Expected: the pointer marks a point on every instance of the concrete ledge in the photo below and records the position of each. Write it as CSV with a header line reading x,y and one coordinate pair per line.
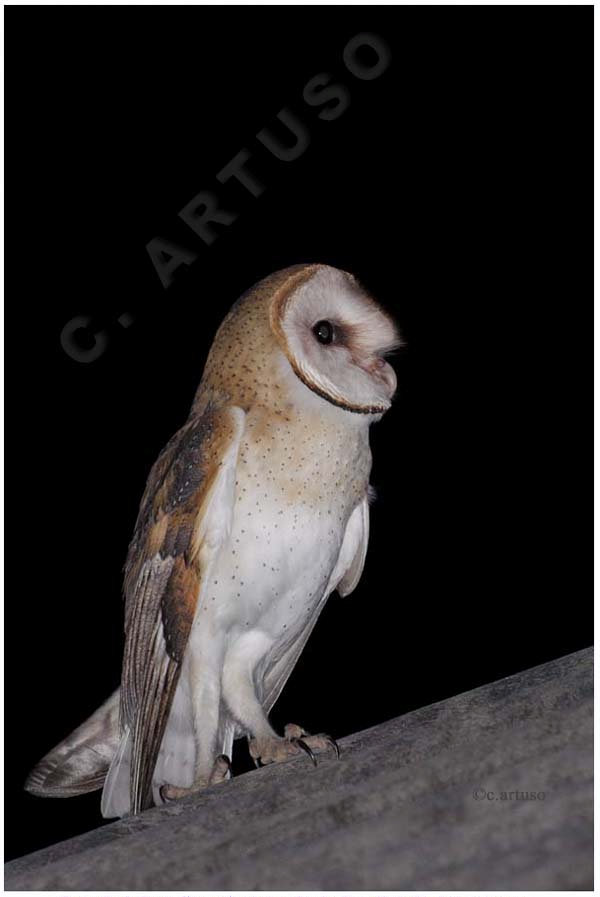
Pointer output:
x,y
408,807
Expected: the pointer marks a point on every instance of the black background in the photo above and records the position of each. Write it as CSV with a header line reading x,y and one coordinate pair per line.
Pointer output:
x,y
457,186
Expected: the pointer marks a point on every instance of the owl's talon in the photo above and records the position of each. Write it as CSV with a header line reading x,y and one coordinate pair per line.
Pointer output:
x,y
331,741
320,742
302,744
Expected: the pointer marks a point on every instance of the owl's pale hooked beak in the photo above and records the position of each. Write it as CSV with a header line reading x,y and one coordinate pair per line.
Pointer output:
x,y
380,370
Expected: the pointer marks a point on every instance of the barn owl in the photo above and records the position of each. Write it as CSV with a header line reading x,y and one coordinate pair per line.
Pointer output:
x,y
253,514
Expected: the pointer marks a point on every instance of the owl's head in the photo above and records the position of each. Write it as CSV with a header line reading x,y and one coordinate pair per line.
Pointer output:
x,y
311,328
335,337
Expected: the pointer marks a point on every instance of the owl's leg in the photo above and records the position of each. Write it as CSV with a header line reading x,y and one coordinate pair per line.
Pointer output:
x,y
202,667
240,696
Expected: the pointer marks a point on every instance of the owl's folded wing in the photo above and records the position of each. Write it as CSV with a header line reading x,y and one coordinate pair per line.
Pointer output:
x,y
185,516
354,550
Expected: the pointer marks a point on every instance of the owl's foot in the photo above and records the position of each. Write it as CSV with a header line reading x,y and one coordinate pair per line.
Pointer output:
x,y
296,740
321,742
220,773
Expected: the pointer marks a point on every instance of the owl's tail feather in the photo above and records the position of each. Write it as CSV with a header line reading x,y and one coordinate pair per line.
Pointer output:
x,y
80,763
115,796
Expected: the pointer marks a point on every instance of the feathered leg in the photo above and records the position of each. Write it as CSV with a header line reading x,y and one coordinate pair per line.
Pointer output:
x,y
239,693
203,685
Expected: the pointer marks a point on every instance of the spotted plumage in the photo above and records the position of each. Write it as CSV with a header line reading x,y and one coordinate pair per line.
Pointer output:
x,y
253,514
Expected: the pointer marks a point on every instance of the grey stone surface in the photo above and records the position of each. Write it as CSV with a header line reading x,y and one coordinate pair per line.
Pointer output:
x,y
398,811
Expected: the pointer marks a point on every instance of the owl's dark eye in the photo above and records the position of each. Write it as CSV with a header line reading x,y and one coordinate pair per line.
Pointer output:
x,y
323,330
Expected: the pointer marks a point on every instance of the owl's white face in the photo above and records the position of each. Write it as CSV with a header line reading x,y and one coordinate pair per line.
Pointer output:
x,y
335,337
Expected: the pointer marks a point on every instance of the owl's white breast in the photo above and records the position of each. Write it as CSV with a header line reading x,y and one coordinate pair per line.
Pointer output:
x,y
298,480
